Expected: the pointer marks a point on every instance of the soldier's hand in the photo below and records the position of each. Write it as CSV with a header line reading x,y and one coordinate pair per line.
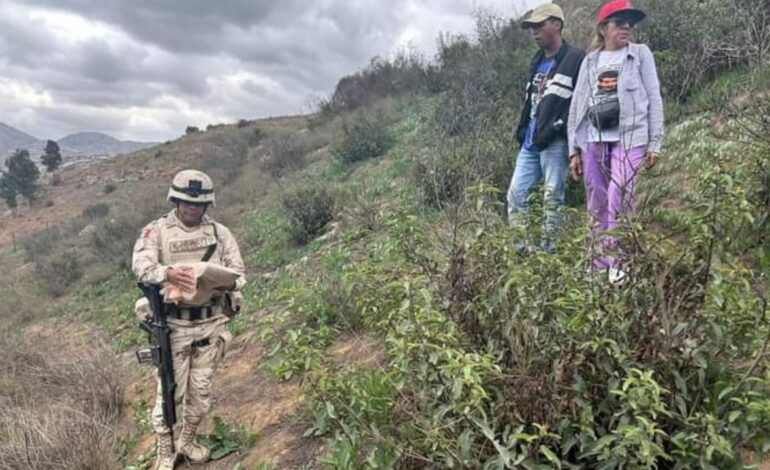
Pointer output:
x,y
182,277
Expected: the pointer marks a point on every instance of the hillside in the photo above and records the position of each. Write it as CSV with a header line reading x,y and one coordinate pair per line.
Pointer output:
x,y
389,322
96,143
11,139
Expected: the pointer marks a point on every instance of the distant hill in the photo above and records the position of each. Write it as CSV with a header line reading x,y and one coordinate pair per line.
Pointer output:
x,y
11,139
80,144
96,143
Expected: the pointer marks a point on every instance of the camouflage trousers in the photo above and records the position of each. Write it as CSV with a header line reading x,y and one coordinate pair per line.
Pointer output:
x,y
194,366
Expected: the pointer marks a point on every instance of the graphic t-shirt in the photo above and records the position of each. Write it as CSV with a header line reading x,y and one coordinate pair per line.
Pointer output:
x,y
536,90
606,89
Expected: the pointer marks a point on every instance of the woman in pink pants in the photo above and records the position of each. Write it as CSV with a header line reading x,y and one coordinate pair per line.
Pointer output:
x,y
615,125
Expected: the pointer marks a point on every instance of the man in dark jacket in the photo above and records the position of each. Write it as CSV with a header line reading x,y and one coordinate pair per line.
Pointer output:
x,y
542,130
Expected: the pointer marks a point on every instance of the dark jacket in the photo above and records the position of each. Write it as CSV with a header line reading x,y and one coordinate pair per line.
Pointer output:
x,y
553,111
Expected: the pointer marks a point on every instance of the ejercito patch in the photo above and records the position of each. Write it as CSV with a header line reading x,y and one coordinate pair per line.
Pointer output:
x,y
192,244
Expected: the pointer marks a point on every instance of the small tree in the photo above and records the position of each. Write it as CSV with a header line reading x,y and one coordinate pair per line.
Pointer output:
x,y
191,130
8,190
23,173
52,156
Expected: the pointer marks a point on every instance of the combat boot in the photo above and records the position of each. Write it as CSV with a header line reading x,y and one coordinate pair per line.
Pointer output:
x,y
186,445
166,457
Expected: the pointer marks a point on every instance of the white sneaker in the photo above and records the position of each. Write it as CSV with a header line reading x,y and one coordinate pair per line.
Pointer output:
x,y
616,276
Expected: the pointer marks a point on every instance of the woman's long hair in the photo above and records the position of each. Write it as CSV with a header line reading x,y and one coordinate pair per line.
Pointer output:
x,y
598,41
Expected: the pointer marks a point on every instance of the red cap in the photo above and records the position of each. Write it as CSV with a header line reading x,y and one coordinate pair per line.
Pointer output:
x,y
621,8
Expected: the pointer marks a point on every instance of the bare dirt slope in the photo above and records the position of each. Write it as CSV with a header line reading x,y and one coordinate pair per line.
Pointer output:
x,y
245,394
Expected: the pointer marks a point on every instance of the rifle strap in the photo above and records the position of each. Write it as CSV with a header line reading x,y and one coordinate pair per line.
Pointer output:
x,y
212,248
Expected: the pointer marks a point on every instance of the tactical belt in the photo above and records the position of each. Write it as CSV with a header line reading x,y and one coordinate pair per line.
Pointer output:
x,y
193,313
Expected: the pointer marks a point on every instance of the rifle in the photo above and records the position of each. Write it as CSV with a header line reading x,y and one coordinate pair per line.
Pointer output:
x,y
159,353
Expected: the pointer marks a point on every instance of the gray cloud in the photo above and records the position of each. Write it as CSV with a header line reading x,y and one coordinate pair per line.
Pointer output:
x,y
145,69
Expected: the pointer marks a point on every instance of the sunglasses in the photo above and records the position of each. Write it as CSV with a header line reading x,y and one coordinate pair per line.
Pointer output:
x,y
621,22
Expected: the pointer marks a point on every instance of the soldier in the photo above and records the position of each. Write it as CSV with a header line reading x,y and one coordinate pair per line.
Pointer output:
x,y
198,332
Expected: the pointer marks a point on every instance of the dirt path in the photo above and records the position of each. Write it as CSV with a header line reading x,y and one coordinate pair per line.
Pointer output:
x,y
246,395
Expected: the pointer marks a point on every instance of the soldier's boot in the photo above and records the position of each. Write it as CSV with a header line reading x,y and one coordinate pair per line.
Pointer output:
x,y
186,445
166,457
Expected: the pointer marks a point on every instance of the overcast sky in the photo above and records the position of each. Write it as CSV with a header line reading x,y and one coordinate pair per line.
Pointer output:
x,y
146,69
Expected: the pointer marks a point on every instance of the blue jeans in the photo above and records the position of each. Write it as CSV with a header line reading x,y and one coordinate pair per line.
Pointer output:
x,y
532,166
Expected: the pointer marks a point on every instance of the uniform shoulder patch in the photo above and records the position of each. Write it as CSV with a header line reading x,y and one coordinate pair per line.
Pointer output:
x,y
149,230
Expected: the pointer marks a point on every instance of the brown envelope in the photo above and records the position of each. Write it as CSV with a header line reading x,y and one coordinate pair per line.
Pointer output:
x,y
211,279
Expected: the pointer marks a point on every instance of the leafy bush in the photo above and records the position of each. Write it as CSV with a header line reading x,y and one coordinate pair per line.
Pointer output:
x,y
256,137
500,359
224,439
114,237
309,209
58,271
481,77
382,78
360,205
96,211
696,40
475,120
191,130
503,361
364,138
287,152
109,188
42,243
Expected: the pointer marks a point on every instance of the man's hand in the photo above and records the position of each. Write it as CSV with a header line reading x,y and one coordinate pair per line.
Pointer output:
x,y
181,277
576,166
651,159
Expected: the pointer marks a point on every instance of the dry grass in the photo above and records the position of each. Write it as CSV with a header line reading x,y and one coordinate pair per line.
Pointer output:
x,y
59,405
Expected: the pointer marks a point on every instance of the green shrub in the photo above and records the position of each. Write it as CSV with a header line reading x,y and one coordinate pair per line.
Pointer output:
x,y
696,40
382,78
364,138
509,361
109,188
309,209
224,440
43,242
96,211
114,237
355,394
256,137
287,152
58,271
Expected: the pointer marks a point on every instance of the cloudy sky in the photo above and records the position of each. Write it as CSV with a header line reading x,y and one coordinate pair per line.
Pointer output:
x,y
146,69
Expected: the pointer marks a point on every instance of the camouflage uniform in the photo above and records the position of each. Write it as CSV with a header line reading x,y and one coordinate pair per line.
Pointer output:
x,y
197,344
